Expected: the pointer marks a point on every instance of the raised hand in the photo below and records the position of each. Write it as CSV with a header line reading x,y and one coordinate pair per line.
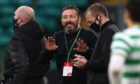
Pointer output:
x,y
50,44
81,46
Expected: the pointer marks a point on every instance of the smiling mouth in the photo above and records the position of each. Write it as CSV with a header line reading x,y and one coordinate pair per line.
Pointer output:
x,y
69,26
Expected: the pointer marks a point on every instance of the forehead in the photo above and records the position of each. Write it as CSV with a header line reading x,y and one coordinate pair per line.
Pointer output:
x,y
69,12
88,13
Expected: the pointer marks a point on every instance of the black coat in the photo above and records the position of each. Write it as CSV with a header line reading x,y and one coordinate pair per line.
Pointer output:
x,y
23,52
79,75
98,64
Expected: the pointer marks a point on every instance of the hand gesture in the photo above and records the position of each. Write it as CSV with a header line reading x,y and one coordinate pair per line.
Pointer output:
x,y
79,61
50,44
81,46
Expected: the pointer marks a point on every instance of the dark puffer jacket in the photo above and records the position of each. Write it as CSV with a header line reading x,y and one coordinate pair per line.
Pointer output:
x,y
23,52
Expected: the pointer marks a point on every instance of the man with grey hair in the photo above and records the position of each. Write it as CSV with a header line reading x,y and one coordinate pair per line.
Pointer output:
x,y
21,65
23,15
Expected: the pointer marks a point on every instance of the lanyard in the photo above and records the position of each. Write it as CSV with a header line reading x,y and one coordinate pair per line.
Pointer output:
x,y
69,51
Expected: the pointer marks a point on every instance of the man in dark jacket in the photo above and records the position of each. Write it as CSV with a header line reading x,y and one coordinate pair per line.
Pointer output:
x,y
97,17
64,44
21,65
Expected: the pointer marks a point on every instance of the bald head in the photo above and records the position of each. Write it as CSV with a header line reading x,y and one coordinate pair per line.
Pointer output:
x,y
23,15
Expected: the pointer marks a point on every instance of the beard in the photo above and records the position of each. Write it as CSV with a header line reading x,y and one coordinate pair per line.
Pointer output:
x,y
70,27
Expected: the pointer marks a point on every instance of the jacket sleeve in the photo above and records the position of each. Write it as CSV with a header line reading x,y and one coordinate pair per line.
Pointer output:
x,y
19,57
46,56
100,63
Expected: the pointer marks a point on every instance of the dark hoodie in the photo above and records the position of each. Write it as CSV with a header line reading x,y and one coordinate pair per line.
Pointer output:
x,y
23,53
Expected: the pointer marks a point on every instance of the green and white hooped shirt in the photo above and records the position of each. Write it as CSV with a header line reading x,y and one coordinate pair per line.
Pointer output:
x,y
127,44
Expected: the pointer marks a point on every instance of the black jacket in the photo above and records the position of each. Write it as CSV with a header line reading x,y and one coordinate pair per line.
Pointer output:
x,y
98,64
23,52
79,75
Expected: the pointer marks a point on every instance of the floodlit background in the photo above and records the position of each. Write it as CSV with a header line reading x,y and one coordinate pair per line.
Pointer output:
x,y
48,13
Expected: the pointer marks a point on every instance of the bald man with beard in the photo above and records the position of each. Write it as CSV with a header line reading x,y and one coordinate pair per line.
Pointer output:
x,y
21,66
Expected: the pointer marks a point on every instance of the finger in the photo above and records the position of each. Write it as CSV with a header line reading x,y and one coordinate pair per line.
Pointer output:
x,y
75,59
77,43
48,38
79,39
82,42
78,56
18,21
75,49
77,64
16,17
51,39
74,64
56,47
44,39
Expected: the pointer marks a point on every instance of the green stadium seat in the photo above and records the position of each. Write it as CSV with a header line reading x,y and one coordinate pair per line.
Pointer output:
x,y
4,40
18,3
25,2
80,3
4,3
48,24
74,2
41,3
44,3
1,31
51,24
50,11
41,20
6,22
7,11
10,31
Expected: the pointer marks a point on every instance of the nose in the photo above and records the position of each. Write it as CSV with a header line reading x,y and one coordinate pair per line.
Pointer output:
x,y
68,19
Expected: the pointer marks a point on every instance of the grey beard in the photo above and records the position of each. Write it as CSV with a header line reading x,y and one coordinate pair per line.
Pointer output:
x,y
70,32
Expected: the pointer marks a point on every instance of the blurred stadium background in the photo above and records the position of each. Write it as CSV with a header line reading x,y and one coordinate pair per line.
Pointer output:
x,y
48,13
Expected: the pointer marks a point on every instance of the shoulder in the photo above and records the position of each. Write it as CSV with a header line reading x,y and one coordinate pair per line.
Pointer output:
x,y
85,30
122,37
107,32
88,31
112,27
59,33
120,34
124,34
121,43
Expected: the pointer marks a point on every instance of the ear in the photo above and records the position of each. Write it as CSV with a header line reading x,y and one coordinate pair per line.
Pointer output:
x,y
15,17
127,18
99,17
126,14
